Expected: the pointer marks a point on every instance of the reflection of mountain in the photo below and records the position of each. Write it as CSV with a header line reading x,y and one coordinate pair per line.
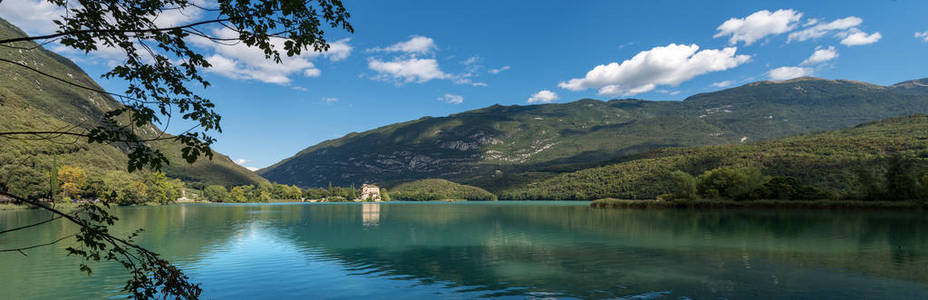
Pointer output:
x,y
511,250
526,249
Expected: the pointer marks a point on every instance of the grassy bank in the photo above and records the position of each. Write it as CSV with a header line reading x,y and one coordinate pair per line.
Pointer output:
x,y
821,204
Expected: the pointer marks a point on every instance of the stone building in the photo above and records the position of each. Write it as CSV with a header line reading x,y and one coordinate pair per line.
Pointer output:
x,y
370,192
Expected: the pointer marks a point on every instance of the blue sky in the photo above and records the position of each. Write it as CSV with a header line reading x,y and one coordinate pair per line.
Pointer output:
x,y
409,59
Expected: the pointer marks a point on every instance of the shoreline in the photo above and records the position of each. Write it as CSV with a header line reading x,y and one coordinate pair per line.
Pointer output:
x,y
757,204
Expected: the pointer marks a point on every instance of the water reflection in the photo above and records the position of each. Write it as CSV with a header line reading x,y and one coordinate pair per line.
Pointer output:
x,y
370,214
480,250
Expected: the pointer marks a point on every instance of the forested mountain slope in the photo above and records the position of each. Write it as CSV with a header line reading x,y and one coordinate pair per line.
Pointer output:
x,y
30,101
499,147
831,161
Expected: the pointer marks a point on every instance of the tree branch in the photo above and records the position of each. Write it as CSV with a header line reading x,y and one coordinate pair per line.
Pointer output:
x,y
20,250
30,225
6,133
147,30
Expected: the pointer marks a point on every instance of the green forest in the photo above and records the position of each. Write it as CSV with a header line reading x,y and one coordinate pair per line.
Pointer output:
x,y
439,189
883,160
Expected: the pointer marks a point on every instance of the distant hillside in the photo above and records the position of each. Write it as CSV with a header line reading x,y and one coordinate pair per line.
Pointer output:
x,y
438,189
827,160
913,87
500,147
33,102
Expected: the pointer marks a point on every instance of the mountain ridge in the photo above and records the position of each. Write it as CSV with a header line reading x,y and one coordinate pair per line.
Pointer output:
x,y
489,143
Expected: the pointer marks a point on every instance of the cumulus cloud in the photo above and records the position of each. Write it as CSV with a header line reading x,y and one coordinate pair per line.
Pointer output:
x,y
821,55
416,44
543,96
858,38
816,29
407,70
35,18
328,100
758,25
668,65
238,61
451,98
498,70
177,17
32,16
409,66
784,73
922,36
724,83
234,61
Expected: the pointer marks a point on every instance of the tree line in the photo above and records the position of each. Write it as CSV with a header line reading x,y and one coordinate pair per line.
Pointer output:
x,y
264,192
904,178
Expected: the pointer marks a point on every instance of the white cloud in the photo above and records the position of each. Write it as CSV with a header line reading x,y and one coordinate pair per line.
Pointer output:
x,y
35,18
721,84
300,88
858,38
784,73
922,35
472,60
328,100
32,16
416,45
459,79
668,65
498,70
543,96
408,66
821,55
758,25
242,162
452,99
234,61
339,50
407,70
239,61
177,17
816,29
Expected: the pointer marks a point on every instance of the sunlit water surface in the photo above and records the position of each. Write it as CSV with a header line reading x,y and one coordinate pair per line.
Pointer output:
x,y
503,249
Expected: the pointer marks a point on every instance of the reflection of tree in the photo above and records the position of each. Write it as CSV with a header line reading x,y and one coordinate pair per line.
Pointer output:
x,y
571,251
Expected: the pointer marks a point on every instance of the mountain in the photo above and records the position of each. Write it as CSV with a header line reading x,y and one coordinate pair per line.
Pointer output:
x,y
830,161
30,101
499,147
912,87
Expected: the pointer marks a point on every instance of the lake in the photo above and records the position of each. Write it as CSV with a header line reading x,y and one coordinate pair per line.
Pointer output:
x,y
494,249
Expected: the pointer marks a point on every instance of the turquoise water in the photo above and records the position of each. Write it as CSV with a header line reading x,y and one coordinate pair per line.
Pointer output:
x,y
504,249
